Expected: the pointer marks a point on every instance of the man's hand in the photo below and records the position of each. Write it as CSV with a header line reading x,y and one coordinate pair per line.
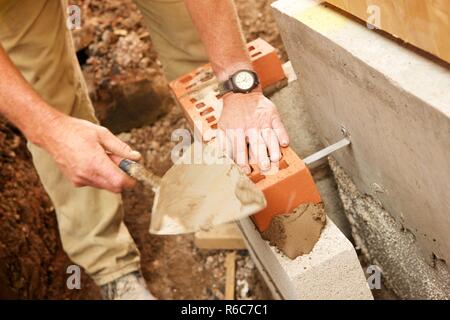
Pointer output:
x,y
252,116
84,152
254,120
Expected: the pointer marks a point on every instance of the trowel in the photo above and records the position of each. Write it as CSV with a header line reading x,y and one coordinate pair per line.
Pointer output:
x,y
202,189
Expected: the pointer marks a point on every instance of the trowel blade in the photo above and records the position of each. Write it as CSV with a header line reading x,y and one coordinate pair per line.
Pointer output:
x,y
206,191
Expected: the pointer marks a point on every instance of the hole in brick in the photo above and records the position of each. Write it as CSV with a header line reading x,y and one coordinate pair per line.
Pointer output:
x,y
193,100
200,105
251,48
207,111
186,79
207,77
257,177
283,165
191,86
211,119
256,54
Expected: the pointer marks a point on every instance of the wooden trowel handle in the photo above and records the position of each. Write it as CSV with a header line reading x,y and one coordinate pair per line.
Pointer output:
x,y
138,172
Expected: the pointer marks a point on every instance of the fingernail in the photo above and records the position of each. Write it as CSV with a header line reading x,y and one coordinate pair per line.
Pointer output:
x,y
265,166
135,154
246,170
275,158
284,143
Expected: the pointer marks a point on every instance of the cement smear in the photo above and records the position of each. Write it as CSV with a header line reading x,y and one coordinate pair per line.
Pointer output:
x,y
296,233
386,243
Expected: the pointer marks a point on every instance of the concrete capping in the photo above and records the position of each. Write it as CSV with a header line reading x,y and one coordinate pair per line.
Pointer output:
x,y
330,271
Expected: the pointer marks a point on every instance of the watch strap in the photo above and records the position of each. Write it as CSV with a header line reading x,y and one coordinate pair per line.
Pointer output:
x,y
229,86
225,87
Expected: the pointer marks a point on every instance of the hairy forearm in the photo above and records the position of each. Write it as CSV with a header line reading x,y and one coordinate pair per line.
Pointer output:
x,y
20,104
246,119
218,25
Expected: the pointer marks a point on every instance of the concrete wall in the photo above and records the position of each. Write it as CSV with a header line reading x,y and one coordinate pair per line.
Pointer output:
x,y
395,105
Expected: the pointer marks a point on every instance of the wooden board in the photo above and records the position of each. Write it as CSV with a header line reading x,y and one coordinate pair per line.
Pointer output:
x,y
422,23
230,266
223,237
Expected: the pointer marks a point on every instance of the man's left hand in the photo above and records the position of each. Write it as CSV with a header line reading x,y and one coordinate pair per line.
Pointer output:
x,y
253,129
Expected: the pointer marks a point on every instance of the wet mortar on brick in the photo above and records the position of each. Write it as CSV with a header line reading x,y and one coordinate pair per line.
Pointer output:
x,y
296,233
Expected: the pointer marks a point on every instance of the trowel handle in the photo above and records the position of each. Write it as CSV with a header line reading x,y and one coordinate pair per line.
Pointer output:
x,y
126,166
138,172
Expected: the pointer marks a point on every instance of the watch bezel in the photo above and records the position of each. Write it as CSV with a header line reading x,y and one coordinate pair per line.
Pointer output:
x,y
236,89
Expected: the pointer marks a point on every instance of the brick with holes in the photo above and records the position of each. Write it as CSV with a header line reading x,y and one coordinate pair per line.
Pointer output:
x,y
266,64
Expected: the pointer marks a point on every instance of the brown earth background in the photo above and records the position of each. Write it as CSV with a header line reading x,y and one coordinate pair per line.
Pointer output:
x,y
120,67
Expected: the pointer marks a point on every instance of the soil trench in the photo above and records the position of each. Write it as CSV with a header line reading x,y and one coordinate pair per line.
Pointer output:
x,y
117,58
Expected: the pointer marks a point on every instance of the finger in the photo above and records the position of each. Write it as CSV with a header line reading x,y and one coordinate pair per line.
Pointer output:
x,y
98,181
224,143
116,146
258,148
280,131
270,139
107,175
117,160
239,147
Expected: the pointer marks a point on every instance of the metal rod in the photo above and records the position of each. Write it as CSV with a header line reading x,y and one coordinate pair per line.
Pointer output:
x,y
327,151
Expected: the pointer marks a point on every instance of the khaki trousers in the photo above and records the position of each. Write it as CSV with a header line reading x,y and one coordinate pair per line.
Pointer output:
x,y
34,34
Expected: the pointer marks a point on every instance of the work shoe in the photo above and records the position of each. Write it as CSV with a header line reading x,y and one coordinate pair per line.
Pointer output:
x,y
128,287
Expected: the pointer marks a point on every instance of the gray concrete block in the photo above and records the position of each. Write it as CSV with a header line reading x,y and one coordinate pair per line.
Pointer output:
x,y
330,271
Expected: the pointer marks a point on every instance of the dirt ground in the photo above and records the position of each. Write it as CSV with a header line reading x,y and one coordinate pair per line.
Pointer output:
x,y
32,262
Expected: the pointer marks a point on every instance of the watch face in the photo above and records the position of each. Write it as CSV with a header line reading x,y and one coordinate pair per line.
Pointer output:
x,y
244,80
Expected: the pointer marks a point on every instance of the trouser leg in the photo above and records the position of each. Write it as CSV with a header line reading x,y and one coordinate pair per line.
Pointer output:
x,y
93,234
174,36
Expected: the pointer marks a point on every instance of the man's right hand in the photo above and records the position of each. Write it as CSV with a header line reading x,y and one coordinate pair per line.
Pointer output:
x,y
83,151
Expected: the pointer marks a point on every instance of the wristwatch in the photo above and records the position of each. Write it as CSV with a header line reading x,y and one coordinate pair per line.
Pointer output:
x,y
243,81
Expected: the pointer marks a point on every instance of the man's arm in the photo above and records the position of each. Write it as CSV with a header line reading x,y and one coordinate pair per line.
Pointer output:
x,y
251,117
81,149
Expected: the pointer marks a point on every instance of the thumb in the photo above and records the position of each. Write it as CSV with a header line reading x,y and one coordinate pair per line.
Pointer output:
x,y
115,159
117,147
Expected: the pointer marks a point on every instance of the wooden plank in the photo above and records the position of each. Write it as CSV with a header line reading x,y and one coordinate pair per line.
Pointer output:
x,y
422,23
223,237
230,265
